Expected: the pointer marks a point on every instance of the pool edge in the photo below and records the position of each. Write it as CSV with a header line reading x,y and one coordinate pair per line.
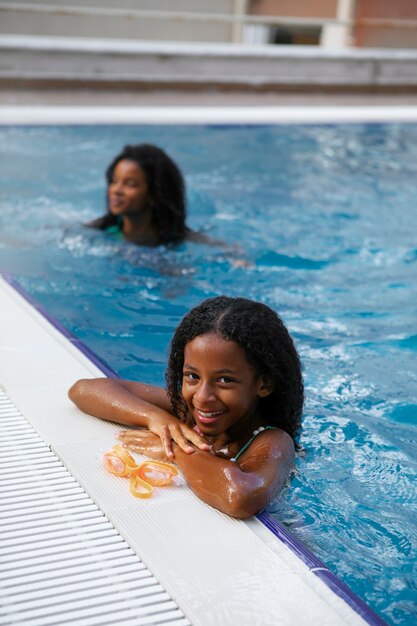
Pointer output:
x,y
203,115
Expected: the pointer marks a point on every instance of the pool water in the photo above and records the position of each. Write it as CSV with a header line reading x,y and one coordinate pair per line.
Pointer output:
x,y
326,220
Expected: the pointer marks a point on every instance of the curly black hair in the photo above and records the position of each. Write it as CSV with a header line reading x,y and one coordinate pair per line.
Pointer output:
x,y
268,347
166,192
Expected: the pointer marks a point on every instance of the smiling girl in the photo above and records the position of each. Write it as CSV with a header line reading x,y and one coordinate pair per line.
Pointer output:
x,y
231,410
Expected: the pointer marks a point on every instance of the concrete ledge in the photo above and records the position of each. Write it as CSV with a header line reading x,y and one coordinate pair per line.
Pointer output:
x,y
101,61
205,115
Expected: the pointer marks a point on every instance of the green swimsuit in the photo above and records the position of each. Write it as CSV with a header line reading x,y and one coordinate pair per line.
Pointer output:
x,y
116,229
247,444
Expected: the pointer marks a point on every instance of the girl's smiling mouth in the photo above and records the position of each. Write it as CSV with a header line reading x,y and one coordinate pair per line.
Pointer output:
x,y
115,200
206,417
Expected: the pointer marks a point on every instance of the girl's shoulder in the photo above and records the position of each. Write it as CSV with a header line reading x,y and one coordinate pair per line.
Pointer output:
x,y
199,237
273,437
281,437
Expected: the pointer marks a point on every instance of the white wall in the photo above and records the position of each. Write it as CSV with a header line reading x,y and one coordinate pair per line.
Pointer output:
x,y
145,29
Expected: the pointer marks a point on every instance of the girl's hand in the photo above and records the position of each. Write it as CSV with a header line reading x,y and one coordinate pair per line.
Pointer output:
x,y
136,404
172,430
143,442
179,433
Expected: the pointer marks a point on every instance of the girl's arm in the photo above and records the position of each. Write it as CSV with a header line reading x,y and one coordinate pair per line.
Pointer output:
x,y
240,489
135,404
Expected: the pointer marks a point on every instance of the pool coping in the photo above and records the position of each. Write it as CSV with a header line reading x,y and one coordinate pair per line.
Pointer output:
x,y
314,564
202,115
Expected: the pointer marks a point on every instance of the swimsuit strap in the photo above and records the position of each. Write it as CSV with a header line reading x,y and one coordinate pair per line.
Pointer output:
x,y
116,228
247,444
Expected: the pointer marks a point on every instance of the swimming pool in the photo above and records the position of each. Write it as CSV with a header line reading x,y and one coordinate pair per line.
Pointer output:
x,y
325,216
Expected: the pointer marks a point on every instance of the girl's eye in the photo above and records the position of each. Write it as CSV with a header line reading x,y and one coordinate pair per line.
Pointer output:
x,y
190,375
130,182
226,379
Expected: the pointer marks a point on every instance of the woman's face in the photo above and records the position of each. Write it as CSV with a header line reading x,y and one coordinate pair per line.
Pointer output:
x,y
127,192
219,386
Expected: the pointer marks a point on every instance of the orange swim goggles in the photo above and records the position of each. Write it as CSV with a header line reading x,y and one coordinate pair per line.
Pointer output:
x,y
143,477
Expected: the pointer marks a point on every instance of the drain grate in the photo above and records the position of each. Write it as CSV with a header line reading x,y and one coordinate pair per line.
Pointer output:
x,y
61,561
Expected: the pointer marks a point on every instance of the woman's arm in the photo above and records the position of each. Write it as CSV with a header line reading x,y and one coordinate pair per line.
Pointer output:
x,y
135,404
240,489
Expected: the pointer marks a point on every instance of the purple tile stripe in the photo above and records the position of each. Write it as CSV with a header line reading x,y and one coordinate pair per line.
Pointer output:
x,y
106,369
313,563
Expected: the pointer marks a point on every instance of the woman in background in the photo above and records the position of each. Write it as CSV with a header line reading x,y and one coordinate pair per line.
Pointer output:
x,y
146,198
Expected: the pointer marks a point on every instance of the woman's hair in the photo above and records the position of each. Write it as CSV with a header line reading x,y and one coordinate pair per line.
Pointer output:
x,y
166,191
268,347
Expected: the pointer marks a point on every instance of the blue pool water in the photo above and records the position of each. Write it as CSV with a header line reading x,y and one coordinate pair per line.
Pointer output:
x,y
326,217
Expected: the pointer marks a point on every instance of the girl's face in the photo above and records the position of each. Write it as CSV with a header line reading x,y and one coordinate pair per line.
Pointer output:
x,y
220,387
128,189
